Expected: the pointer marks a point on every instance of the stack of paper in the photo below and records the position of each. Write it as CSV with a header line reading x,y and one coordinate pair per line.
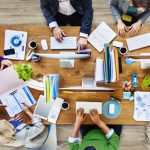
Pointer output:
x,y
51,86
107,69
101,35
111,64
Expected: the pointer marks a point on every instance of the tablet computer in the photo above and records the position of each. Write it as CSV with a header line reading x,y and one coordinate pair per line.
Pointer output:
x,y
42,108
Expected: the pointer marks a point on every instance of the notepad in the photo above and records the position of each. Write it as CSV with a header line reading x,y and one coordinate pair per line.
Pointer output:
x,y
67,43
99,70
87,106
101,35
138,42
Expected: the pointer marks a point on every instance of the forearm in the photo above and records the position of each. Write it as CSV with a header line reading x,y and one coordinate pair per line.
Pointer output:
x,y
144,17
76,130
115,10
29,113
87,17
103,127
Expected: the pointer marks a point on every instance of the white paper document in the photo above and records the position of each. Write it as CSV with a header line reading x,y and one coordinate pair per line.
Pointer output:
x,y
9,80
101,35
87,106
14,100
67,43
99,70
15,40
142,106
138,42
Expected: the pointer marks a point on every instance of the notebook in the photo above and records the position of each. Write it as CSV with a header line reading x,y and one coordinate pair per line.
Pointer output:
x,y
101,35
51,86
67,43
87,106
138,42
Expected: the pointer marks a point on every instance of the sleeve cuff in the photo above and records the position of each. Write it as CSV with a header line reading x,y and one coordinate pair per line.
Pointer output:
x,y
109,134
53,24
73,140
83,35
36,120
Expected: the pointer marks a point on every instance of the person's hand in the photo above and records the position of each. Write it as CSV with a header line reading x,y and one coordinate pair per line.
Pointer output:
x,y
135,28
5,62
95,116
58,33
82,43
16,118
80,117
25,108
122,28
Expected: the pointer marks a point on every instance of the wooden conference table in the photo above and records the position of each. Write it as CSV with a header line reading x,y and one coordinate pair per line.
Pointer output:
x,y
73,77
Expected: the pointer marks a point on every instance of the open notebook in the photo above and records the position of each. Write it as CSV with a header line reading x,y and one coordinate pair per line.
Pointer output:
x,y
101,35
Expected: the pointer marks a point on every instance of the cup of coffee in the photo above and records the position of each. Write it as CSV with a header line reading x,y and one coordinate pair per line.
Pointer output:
x,y
123,50
65,106
32,45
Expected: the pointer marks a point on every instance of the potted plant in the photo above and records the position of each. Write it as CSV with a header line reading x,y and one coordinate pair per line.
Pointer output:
x,y
146,82
24,71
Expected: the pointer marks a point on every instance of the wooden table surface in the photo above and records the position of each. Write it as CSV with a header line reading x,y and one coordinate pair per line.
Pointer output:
x,y
73,77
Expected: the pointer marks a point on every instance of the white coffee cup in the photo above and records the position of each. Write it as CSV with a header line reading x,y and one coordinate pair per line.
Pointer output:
x,y
32,44
65,106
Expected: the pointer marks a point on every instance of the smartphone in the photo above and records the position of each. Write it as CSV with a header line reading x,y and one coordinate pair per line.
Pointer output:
x,y
9,52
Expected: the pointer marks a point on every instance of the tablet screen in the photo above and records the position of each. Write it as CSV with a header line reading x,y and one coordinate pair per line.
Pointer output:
x,y
42,108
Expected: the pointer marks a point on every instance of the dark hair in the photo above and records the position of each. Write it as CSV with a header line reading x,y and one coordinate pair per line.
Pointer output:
x,y
142,3
90,148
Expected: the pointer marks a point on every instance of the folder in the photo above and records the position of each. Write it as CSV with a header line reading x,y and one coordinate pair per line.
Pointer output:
x,y
116,63
51,86
107,63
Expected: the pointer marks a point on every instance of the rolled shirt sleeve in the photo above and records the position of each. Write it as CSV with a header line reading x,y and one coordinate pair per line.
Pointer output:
x,y
53,24
109,134
74,140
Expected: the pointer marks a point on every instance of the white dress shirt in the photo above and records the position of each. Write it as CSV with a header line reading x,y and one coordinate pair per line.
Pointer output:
x,y
65,8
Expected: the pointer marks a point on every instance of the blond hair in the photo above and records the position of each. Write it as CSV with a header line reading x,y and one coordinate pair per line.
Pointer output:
x,y
6,132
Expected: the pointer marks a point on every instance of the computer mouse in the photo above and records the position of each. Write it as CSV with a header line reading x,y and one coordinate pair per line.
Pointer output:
x,y
111,109
44,44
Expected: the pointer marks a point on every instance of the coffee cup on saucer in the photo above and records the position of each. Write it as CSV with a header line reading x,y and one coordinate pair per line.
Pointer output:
x,y
65,106
123,50
32,44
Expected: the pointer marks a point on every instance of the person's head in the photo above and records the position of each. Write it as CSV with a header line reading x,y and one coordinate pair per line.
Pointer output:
x,y
90,148
6,132
141,5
